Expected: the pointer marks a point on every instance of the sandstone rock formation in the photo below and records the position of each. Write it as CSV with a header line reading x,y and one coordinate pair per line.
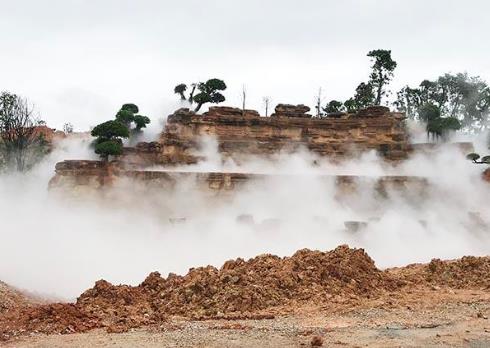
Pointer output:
x,y
288,110
245,133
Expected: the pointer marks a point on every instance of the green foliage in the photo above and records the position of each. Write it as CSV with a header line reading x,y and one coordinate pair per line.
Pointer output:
x,y
350,105
442,126
109,148
110,130
130,107
381,72
180,89
140,122
125,117
209,92
429,112
110,133
364,96
457,95
473,156
333,106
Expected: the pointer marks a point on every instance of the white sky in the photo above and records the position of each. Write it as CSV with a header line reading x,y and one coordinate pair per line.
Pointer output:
x,y
78,61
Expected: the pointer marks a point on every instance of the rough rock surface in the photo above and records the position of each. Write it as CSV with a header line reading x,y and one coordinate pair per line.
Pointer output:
x,y
288,130
11,298
288,110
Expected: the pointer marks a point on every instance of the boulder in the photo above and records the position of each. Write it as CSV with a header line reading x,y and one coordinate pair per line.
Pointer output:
x,y
288,110
373,111
226,111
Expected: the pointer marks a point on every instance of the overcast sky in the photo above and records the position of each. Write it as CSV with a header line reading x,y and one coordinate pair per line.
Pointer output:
x,y
78,61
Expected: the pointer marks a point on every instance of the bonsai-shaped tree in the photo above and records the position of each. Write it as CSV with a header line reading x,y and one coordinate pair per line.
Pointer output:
x,y
109,138
127,116
180,90
475,158
209,92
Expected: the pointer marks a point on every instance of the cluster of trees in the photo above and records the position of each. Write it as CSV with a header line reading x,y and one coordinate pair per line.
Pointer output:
x,y
21,144
207,92
110,134
370,92
459,98
448,103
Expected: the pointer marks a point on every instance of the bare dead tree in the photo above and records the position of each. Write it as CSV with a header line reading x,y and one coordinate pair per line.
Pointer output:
x,y
191,95
318,105
20,143
267,102
244,97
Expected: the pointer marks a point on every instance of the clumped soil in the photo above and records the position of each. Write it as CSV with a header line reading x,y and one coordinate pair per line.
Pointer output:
x,y
262,287
11,298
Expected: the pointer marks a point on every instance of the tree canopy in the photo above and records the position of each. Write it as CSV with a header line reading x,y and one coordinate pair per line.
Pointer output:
x,y
110,133
459,96
208,92
381,72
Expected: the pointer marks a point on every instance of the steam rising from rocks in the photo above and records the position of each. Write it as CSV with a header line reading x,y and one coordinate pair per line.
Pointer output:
x,y
58,246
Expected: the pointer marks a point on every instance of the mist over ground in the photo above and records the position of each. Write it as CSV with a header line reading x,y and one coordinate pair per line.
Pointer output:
x,y
59,246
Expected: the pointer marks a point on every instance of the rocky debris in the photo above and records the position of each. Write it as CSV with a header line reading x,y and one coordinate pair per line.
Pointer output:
x,y
59,318
469,271
373,111
11,298
227,111
288,110
261,287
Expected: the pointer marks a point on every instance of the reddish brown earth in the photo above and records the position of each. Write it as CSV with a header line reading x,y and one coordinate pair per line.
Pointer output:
x,y
264,287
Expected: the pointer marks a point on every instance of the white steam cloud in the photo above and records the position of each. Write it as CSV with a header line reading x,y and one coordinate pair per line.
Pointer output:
x,y
59,247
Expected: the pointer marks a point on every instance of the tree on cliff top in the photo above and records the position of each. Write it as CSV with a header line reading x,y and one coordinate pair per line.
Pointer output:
x,y
462,96
109,138
209,93
180,90
127,116
381,72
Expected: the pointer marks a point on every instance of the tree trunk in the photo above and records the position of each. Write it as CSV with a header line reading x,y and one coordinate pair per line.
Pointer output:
x,y
191,95
198,107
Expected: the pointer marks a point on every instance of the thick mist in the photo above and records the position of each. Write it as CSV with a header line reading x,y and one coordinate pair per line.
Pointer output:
x,y
60,246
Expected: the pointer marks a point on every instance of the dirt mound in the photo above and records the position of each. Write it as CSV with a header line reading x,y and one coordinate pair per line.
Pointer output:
x,y
11,298
266,281
262,286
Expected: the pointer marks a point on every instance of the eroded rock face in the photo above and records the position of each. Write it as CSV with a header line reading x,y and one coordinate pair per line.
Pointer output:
x,y
245,133
82,175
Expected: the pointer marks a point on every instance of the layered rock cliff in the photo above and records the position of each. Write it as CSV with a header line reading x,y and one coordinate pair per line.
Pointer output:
x,y
244,132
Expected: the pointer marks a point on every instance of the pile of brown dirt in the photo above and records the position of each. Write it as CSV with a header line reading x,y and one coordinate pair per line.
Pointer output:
x,y
467,272
262,286
11,298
